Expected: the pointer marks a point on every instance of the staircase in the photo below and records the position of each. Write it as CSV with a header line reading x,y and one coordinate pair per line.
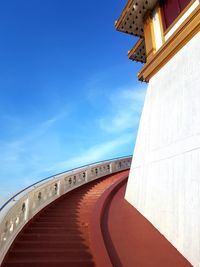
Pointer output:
x,y
60,234
92,225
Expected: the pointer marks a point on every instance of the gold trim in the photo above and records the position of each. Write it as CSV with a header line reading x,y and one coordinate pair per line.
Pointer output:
x,y
149,37
179,16
188,29
161,24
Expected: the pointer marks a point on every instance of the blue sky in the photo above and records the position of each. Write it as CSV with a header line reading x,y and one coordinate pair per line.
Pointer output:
x,y
68,94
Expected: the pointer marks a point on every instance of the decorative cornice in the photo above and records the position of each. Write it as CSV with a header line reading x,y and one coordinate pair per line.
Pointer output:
x,y
131,18
181,36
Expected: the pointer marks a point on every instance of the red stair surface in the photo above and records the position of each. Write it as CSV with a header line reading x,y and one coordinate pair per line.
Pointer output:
x,y
59,234
92,226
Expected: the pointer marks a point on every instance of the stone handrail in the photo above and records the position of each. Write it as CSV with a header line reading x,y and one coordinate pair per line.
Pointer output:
x,y
19,209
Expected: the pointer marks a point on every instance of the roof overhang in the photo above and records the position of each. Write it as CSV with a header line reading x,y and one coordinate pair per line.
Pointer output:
x,y
131,19
138,52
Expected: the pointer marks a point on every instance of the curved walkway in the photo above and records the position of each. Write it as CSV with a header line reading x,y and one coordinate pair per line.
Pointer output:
x,y
92,226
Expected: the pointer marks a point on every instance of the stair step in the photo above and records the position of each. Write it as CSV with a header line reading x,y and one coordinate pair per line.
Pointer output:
x,y
73,239
49,244
52,263
64,210
49,230
44,229
56,219
55,228
53,224
50,254
60,211
58,215
51,237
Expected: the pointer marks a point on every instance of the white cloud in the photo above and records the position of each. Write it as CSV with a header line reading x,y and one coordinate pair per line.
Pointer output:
x,y
125,109
42,150
36,131
120,118
21,156
94,153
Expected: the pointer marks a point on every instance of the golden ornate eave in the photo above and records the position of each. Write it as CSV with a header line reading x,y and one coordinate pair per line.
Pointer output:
x,y
131,18
138,52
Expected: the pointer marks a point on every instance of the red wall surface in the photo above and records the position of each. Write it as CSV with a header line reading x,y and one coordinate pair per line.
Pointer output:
x,y
171,9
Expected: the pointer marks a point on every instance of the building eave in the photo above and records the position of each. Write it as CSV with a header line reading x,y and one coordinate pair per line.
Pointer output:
x,y
138,52
131,18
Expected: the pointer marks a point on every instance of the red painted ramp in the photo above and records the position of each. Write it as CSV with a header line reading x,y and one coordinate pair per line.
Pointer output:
x,y
64,234
132,241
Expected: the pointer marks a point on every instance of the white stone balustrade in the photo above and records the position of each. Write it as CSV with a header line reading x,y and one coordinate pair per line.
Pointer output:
x,y
16,212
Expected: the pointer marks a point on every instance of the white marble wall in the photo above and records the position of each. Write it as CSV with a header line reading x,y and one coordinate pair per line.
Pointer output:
x,y
164,183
